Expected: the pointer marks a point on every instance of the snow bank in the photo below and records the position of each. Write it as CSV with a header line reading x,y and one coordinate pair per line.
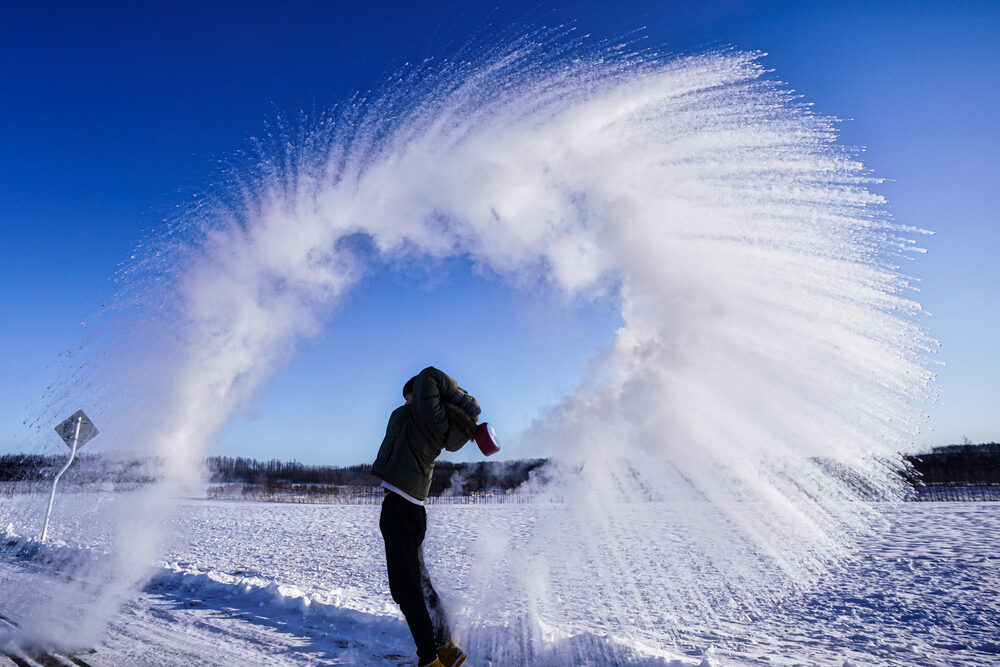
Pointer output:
x,y
189,581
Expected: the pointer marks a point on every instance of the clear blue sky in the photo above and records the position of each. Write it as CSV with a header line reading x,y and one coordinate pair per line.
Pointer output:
x,y
114,115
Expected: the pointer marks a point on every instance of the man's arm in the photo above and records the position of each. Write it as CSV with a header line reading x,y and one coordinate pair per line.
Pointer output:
x,y
430,390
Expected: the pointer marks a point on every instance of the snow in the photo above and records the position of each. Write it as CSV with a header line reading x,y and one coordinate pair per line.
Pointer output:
x,y
305,584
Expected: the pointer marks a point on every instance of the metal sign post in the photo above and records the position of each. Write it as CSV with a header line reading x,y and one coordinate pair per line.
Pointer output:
x,y
78,430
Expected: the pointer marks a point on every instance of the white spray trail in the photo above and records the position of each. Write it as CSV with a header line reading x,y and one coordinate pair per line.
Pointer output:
x,y
768,344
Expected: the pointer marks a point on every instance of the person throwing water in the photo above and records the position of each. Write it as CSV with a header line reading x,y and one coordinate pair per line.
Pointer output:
x,y
437,415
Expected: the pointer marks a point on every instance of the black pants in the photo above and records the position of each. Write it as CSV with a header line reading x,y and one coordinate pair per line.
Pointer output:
x,y
403,525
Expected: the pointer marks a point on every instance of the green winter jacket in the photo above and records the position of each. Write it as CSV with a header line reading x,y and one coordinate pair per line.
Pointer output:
x,y
418,432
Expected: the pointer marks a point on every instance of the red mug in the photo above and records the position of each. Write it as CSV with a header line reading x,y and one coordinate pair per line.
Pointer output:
x,y
486,438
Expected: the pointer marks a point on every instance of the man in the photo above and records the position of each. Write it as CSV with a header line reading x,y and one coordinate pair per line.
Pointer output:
x,y
437,415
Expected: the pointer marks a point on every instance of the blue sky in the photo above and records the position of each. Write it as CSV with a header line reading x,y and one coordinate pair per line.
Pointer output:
x,y
113,116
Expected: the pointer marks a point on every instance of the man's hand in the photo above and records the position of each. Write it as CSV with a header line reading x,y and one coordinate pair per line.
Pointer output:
x,y
467,403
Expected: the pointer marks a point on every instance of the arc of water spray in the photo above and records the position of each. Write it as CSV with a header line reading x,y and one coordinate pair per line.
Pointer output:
x,y
769,351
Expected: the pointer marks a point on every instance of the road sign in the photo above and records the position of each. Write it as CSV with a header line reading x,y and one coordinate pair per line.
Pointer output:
x,y
67,430
75,432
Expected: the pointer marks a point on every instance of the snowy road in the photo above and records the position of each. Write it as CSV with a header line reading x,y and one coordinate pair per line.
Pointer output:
x,y
302,584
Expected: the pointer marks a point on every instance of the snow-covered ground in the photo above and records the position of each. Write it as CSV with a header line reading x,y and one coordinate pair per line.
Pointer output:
x,y
261,583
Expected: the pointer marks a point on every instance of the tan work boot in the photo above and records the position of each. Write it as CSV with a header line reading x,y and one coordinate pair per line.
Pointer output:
x,y
436,663
450,655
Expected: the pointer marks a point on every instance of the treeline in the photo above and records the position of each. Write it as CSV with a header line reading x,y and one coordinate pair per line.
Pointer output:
x,y
86,469
457,477
24,467
957,464
952,465
472,477
223,469
101,469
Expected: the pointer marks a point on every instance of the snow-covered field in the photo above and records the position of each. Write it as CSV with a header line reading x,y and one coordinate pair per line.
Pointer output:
x,y
259,583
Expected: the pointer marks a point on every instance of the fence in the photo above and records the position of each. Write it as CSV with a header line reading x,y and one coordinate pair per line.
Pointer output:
x,y
354,495
372,495
956,491
20,488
